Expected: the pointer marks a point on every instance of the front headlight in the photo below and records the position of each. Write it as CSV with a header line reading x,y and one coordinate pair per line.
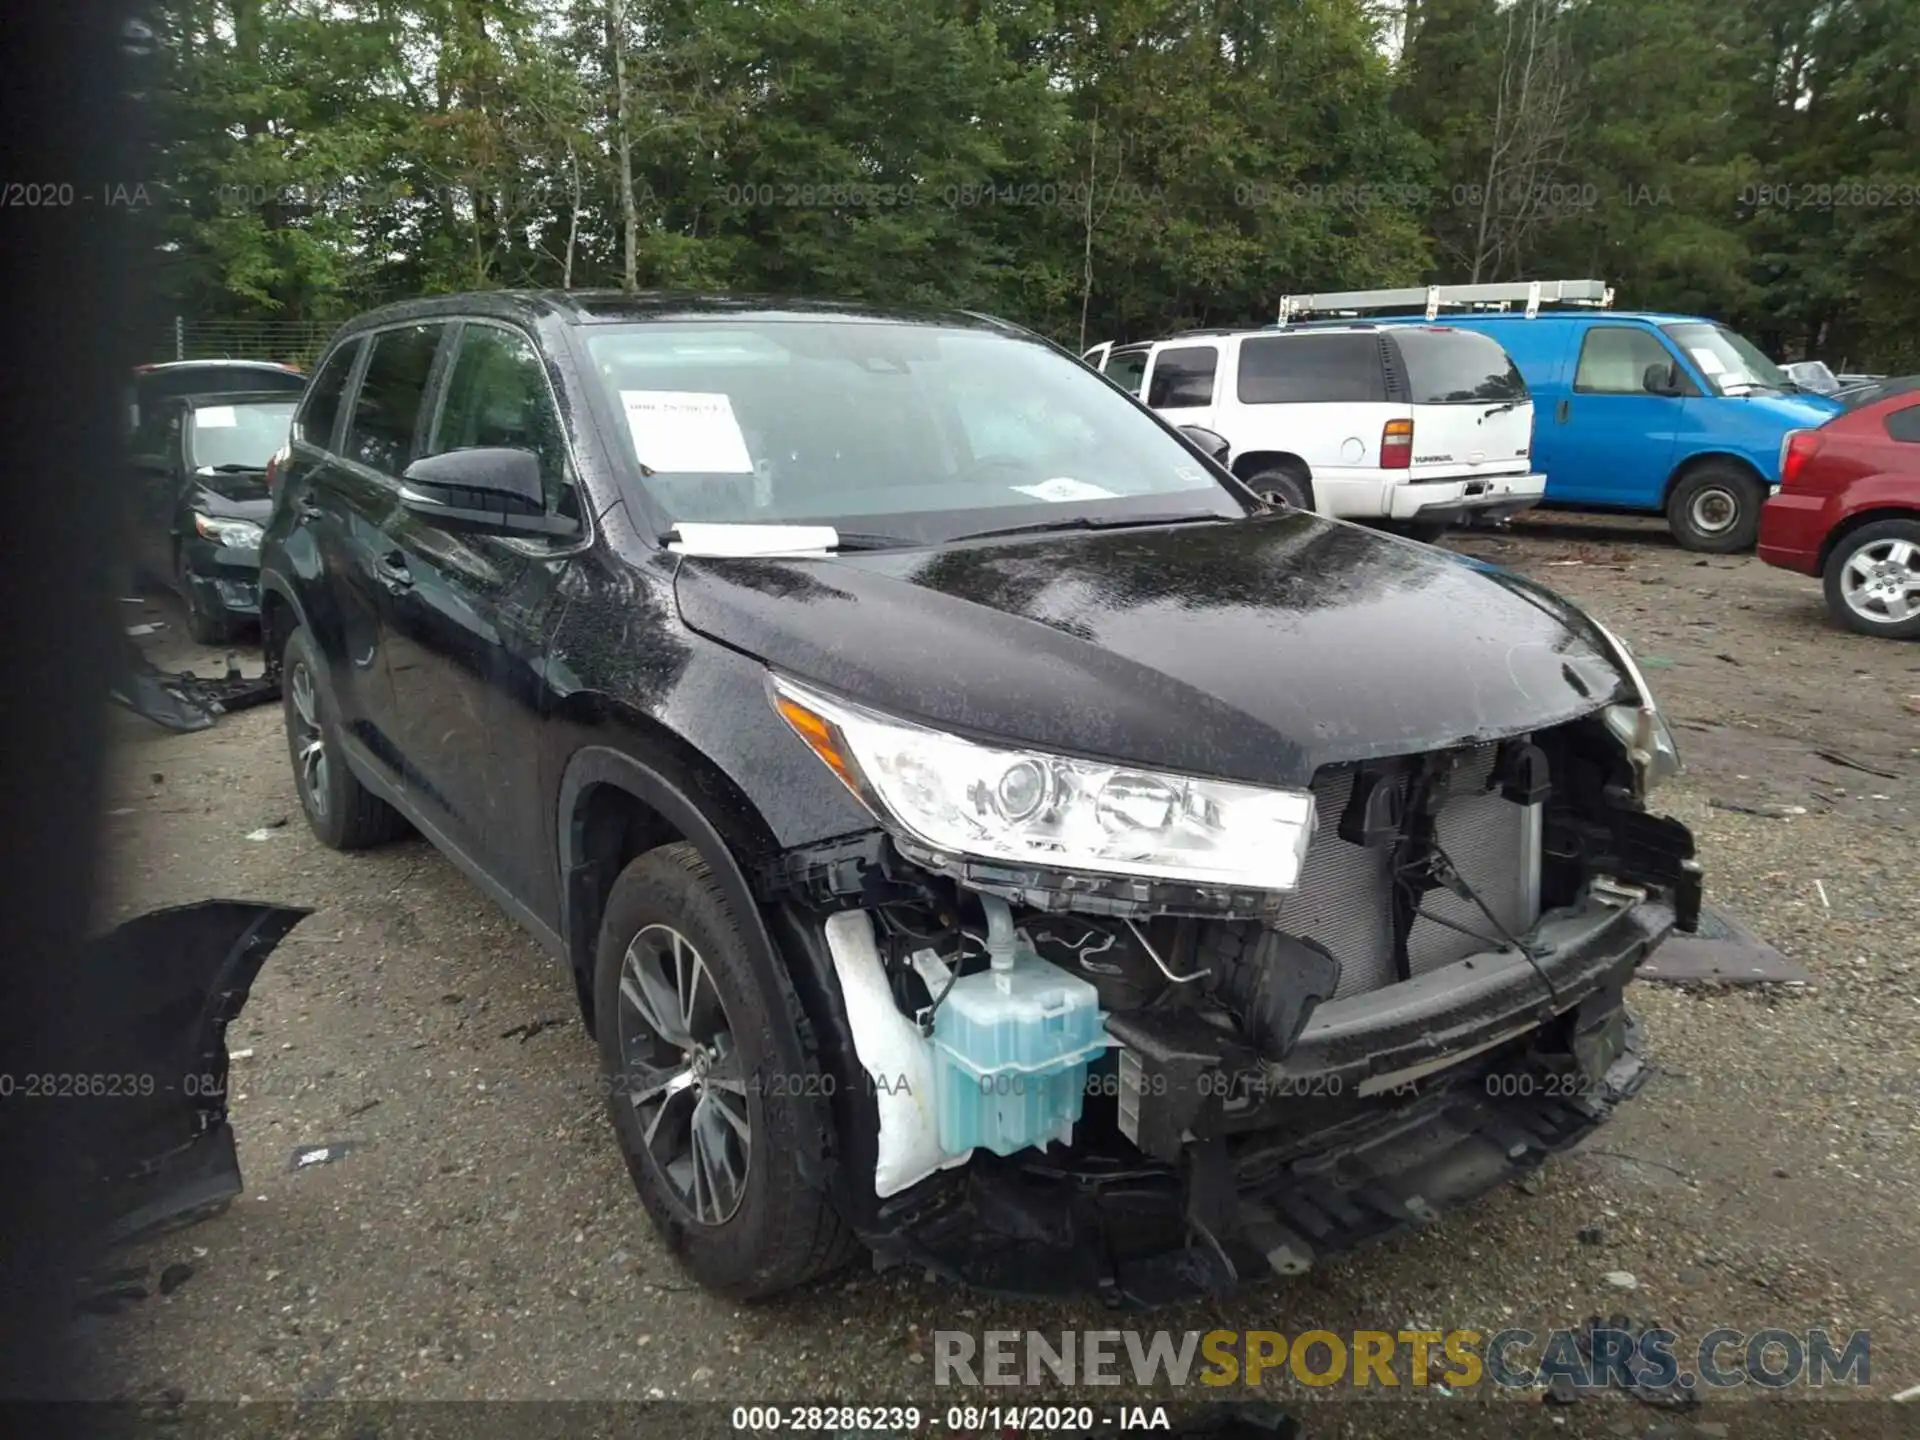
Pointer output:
x,y
1029,807
234,534
1641,728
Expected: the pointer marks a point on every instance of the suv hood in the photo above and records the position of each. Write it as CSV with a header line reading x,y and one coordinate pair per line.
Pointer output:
x,y
1255,650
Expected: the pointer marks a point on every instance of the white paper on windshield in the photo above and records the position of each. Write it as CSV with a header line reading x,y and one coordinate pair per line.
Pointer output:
x,y
682,431
1708,361
723,539
1062,488
215,417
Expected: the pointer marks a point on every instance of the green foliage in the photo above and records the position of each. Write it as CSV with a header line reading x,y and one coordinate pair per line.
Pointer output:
x,y
1112,169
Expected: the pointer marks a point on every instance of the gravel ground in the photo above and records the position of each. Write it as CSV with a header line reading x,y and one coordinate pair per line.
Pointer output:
x,y
480,1239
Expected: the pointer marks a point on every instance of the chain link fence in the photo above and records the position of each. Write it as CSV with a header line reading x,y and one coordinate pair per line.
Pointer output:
x,y
292,342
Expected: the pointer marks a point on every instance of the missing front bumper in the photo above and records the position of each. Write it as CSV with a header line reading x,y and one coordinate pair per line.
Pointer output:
x,y
1385,1114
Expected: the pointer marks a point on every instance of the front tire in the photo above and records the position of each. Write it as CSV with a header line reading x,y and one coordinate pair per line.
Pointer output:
x,y
342,813
690,1041
1715,509
1872,580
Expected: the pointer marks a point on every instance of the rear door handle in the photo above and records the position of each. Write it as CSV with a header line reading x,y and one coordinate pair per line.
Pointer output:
x,y
1562,410
392,570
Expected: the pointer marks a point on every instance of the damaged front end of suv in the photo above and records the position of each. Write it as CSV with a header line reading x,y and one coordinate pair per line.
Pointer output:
x,y
1103,1027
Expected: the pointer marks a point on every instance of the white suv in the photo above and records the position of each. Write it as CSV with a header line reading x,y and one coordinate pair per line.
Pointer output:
x,y
1420,424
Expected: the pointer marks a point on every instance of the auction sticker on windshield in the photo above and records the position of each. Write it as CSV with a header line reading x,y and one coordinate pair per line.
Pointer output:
x,y
1062,488
685,431
1708,361
216,417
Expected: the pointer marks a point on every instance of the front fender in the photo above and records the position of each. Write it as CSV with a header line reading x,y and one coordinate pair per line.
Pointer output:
x,y
666,795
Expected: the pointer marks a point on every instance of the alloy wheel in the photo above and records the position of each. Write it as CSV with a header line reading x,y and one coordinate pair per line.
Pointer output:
x,y
310,741
682,1073
1881,581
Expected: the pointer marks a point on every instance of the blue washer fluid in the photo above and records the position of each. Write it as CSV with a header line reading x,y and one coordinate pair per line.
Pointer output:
x,y
1011,1048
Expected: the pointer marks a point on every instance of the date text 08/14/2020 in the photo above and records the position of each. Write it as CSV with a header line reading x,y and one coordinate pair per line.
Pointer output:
x,y
955,1419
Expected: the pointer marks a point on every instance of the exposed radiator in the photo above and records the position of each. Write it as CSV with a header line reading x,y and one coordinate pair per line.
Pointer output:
x,y
1345,897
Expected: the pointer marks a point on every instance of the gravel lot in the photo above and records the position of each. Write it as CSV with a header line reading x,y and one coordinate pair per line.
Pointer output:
x,y
481,1239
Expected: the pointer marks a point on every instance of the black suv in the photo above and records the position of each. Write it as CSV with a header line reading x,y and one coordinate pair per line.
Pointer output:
x,y
976,826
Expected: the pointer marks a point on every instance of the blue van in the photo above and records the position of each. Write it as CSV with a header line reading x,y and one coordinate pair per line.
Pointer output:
x,y
1663,414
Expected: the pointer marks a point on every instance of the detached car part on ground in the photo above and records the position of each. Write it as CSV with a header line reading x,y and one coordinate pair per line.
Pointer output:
x,y
1090,883
163,987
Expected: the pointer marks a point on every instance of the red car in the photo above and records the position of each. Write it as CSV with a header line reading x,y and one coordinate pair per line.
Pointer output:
x,y
1848,509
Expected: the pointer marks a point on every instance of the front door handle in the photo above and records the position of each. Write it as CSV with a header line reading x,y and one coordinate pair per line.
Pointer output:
x,y
392,570
1562,410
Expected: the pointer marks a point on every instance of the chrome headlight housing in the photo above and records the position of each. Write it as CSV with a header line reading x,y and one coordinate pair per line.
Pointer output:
x,y
234,534
1641,728
955,796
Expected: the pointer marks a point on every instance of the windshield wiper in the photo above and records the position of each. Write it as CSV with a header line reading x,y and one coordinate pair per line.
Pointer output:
x,y
1088,522
1501,409
236,469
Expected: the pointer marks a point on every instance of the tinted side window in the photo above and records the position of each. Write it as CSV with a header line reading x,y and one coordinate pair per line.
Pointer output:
x,y
1904,424
322,405
1614,360
497,395
1183,377
1457,367
1126,368
1311,369
386,415
159,433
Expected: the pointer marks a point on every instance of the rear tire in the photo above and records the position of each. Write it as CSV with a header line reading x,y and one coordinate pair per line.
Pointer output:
x,y
690,1041
1715,508
342,813
1285,483
1872,580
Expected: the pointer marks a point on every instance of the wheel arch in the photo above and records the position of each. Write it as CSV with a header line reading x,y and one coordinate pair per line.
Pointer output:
x,y
1255,461
280,616
1859,520
1700,461
614,804
618,799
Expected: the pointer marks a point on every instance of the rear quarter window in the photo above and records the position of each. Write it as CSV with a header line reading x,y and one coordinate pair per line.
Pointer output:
x,y
1183,378
1126,368
1311,369
1457,367
1904,424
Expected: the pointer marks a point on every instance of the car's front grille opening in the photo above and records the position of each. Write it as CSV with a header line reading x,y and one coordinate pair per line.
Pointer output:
x,y
1345,896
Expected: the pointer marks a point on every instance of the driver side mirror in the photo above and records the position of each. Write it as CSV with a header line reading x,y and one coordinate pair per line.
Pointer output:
x,y
1216,445
488,490
1661,379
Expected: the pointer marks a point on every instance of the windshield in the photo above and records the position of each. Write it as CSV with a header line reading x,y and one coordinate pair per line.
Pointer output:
x,y
1732,364
922,431
229,435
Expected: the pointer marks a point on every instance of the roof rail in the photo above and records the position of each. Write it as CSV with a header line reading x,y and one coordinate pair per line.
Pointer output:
x,y
1588,294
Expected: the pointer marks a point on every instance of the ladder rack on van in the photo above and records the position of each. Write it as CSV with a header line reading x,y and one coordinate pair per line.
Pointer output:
x,y
1583,294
